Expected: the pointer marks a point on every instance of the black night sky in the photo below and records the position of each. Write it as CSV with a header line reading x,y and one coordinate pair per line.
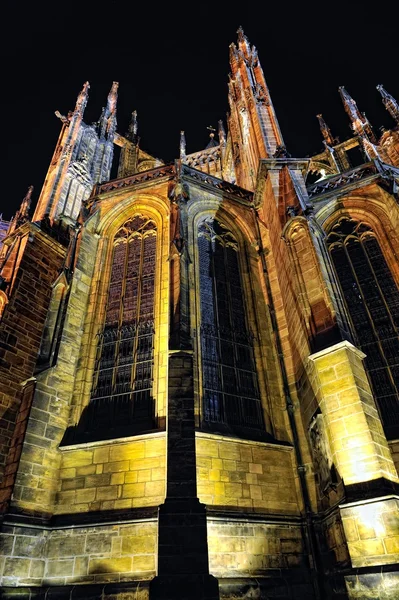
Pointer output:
x,y
172,66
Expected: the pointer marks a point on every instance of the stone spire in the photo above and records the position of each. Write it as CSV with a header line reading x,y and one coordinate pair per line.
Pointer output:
x,y
107,122
359,121
221,133
22,214
133,128
390,103
182,146
326,131
82,99
243,42
253,124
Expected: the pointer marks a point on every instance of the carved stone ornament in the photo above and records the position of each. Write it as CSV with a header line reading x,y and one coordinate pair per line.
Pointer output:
x,y
261,95
323,463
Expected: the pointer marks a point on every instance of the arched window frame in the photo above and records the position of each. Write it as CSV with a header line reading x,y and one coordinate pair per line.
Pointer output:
x,y
360,234
51,336
132,409
230,240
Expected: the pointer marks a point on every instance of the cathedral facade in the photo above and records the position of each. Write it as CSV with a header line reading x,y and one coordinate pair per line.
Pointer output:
x,y
199,364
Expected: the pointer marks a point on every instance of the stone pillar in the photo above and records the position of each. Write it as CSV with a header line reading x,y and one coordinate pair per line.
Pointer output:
x,y
361,455
183,564
183,571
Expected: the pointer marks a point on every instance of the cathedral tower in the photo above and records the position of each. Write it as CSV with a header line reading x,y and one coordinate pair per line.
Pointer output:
x,y
199,378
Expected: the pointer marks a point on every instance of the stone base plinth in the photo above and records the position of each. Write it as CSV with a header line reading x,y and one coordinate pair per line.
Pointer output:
x,y
184,587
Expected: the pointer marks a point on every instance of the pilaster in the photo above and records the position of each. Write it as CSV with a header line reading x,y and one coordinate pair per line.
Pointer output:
x,y
360,453
183,563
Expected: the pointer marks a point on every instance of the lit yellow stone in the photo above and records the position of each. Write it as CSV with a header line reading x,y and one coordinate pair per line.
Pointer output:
x,y
110,565
350,529
101,455
139,544
131,477
214,475
78,458
158,474
204,462
392,544
133,490
86,470
229,465
207,447
366,548
256,492
114,467
144,463
117,478
144,475
67,473
230,451
86,495
217,463
144,562
154,488
127,451
233,490
155,447
255,468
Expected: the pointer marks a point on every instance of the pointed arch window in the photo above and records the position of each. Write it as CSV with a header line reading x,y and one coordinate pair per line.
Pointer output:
x,y
122,387
372,298
231,398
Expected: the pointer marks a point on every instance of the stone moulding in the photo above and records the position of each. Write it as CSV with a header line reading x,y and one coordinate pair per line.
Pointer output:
x,y
171,171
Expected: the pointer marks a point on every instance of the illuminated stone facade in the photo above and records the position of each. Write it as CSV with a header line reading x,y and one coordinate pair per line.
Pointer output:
x,y
199,364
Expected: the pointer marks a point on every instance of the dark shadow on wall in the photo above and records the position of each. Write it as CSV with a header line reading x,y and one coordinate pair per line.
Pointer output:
x,y
116,417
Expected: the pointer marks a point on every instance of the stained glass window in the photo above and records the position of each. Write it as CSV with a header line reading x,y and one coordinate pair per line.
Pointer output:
x,y
121,395
372,298
230,387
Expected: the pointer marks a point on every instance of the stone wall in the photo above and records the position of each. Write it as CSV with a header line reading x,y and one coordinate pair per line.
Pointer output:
x,y
112,475
78,555
394,447
242,473
247,548
21,328
372,531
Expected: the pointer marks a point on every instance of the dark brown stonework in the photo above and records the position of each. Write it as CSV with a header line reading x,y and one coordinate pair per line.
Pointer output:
x,y
21,330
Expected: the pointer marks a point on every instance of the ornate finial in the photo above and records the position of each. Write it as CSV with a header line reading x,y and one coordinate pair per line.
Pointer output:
x,y
349,104
26,202
390,103
325,130
182,146
222,133
211,143
112,97
243,42
22,214
62,118
82,99
360,123
107,121
369,148
133,127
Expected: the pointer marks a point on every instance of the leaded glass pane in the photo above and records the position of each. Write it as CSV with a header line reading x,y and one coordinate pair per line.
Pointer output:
x,y
372,298
230,390
121,395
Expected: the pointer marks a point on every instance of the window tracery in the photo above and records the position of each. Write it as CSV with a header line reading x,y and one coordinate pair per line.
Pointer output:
x,y
122,387
230,388
372,298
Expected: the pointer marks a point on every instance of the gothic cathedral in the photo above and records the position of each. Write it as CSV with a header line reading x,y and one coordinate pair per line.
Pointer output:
x,y
199,364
